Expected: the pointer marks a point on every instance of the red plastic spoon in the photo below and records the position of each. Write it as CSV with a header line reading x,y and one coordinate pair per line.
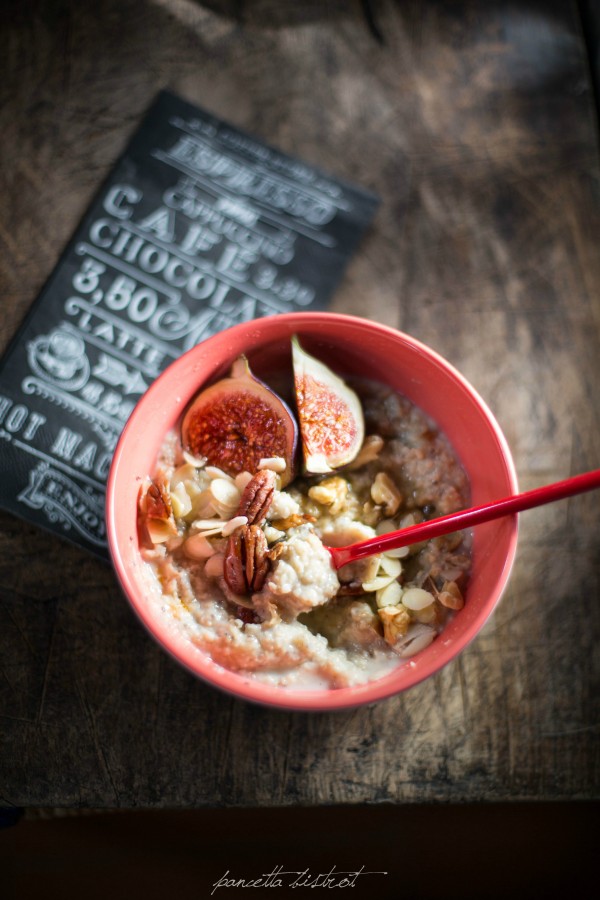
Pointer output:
x,y
466,518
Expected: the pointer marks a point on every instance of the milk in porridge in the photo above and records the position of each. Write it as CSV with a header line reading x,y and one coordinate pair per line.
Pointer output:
x,y
297,622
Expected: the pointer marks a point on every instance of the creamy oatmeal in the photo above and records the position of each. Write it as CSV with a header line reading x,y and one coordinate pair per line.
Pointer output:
x,y
242,565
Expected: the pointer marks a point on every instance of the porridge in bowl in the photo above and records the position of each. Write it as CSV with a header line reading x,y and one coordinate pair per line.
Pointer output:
x,y
235,532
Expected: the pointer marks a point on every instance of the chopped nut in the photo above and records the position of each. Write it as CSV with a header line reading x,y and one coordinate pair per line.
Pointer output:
x,y
160,530
429,615
395,623
203,506
233,566
390,595
181,502
331,492
215,472
417,638
242,480
257,560
258,496
276,550
292,521
273,534
225,496
155,502
275,463
208,526
385,493
174,542
184,474
234,523
416,598
198,462
450,596
247,560
198,547
390,565
381,581
214,565
370,450
371,513
385,526
155,507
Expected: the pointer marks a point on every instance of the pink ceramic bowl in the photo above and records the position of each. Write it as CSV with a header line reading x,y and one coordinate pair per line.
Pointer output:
x,y
348,344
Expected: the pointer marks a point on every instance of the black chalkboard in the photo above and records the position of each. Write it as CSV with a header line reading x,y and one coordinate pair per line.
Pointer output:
x,y
199,226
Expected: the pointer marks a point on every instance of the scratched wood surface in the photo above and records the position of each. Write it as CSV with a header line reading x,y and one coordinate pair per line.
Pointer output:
x,y
476,125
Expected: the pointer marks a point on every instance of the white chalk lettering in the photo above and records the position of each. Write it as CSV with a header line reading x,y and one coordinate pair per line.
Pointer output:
x,y
161,222
117,198
235,176
16,417
66,443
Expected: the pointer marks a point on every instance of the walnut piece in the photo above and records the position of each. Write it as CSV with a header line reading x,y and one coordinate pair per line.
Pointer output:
x,y
292,521
331,492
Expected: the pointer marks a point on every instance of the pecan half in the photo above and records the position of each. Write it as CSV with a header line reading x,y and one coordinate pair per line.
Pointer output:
x,y
258,496
233,564
157,502
246,560
156,512
257,561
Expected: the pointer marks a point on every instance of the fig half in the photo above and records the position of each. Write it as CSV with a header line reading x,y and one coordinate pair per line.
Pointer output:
x,y
237,422
330,414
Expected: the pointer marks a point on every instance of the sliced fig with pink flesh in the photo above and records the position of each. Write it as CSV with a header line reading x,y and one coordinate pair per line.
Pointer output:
x,y
238,421
330,414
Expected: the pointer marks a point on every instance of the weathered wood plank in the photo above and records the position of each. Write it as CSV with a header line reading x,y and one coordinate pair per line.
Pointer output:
x,y
475,123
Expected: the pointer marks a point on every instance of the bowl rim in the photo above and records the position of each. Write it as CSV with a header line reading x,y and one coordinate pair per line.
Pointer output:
x,y
243,686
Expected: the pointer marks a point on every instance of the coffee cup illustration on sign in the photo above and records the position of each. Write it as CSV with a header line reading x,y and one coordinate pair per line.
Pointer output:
x,y
60,358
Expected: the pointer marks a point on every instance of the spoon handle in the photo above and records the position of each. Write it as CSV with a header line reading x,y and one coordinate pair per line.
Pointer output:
x,y
466,518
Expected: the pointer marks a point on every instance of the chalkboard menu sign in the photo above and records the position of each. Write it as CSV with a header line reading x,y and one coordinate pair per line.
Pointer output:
x,y
199,226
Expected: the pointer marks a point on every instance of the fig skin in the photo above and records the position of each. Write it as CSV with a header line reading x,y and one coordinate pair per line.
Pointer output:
x,y
330,414
238,421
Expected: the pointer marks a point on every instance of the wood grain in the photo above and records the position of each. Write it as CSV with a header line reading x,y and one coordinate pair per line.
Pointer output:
x,y
475,123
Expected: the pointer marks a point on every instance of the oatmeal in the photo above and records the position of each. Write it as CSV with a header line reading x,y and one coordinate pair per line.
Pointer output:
x,y
242,568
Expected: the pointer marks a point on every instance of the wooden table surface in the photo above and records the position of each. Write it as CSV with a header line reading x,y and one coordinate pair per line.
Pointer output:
x,y
476,125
